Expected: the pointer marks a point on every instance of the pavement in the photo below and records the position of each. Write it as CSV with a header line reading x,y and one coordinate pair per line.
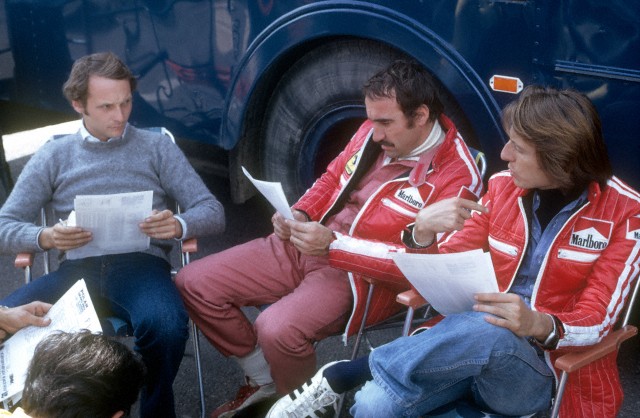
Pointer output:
x,y
244,222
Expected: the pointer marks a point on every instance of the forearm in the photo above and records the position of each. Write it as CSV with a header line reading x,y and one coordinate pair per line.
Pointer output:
x,y
607,288
18,232
201,212
18,237
370,258
206,218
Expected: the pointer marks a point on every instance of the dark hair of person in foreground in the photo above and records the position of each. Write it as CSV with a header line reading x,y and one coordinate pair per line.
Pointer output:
x,y
80,375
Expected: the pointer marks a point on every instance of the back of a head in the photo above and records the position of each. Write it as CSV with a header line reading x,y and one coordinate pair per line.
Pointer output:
x,y
101,64
78,375
565,129
411,84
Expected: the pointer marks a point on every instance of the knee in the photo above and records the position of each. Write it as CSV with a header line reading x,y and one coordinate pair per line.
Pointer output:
x,y
373,401
183,279
187,282
278,333
168,327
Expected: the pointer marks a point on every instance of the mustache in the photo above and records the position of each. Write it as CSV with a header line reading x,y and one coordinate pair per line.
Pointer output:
x,y
385,143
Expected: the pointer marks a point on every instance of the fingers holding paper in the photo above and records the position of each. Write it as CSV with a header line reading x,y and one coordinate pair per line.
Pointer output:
x,y
508,310
63,237
310,238
281,227
19,317
161,225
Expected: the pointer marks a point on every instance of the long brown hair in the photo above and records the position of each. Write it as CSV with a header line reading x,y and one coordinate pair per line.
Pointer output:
x,y
565,129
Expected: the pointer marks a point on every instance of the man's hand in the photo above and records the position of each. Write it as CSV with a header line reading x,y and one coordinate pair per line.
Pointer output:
x,y
310,238
14,319
161,225
280,226
63,237
444,216
511,312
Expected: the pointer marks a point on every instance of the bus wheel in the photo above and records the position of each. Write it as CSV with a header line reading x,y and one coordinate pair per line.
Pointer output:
x,y
316,107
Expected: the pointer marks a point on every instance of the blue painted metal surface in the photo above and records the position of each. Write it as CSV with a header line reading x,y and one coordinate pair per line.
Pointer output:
x,y
201,62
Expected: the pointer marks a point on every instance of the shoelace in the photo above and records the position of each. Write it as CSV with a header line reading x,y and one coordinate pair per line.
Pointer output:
x,y
311,399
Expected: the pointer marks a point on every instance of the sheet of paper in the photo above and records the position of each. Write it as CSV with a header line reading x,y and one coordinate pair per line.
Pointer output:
x,y
449,281
113,219
73,312
274,194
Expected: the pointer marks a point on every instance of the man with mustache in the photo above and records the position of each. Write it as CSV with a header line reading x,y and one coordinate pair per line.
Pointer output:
x,y
564,238
404,157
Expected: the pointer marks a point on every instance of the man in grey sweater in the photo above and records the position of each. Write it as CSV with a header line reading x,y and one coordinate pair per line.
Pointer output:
x,y
107,156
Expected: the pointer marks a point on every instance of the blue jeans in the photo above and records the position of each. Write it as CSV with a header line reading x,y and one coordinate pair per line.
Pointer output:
x,y
461,357
137,288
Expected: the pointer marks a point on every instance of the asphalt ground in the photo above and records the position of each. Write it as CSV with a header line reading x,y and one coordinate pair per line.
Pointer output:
x,y
244,222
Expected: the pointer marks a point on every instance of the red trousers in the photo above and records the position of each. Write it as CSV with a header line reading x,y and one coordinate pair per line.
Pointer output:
x,y
309,301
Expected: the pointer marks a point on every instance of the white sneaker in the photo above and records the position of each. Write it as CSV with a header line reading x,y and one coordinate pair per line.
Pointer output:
x,y
314,399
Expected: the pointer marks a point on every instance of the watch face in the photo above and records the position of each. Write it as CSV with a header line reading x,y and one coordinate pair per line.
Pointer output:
x,y
552,339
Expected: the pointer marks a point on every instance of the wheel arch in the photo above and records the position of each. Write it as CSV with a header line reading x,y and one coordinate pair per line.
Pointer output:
x,y
275,48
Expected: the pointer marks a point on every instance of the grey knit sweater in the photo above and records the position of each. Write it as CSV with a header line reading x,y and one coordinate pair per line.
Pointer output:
x,y
70,165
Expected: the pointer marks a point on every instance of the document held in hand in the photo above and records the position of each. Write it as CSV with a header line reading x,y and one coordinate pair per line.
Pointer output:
x,y
73,312
274,194
449,281
113,220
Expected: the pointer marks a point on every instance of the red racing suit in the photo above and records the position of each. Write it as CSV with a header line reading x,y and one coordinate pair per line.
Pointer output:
x,y
386,213
584,280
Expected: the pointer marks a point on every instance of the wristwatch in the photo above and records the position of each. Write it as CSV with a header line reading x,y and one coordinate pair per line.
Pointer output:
x,y
416,243
551,342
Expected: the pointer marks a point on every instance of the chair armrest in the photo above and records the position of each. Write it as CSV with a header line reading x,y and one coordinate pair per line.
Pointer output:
x,y
411,298
190,245
24,260
571,362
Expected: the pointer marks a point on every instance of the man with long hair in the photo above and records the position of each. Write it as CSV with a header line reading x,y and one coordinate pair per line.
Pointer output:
x,y
564,239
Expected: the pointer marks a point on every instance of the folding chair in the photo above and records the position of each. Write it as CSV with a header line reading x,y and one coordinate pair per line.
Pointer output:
x,y
567,363
114,326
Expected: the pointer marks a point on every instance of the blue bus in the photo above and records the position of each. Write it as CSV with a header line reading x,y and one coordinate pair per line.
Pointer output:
x,y
275,86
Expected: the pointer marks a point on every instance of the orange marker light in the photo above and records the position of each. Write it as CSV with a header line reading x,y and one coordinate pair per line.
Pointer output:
x,y
506,84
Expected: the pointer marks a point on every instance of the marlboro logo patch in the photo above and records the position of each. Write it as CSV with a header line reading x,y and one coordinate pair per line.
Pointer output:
x,y
411,197
591,234
633,228
414,196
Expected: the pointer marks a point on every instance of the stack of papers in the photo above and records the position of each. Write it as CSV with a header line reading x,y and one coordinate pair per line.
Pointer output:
x,y
113,221
73,312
